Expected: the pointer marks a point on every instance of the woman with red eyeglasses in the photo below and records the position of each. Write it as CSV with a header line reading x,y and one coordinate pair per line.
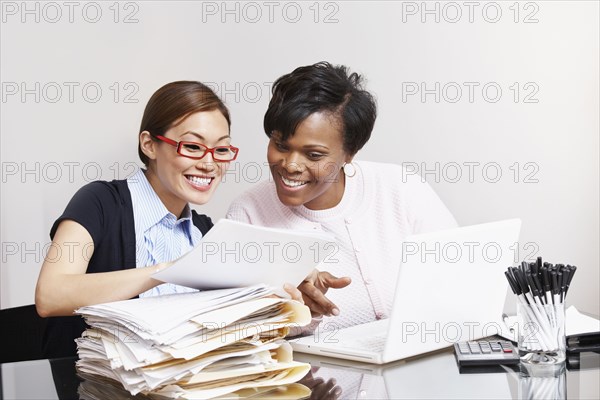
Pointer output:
x,y
113,236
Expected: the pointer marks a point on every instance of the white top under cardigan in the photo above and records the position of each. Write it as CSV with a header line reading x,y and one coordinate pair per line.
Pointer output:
x,y
381,205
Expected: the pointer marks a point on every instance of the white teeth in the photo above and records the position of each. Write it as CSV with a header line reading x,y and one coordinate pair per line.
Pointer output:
x,y
196,180
290,183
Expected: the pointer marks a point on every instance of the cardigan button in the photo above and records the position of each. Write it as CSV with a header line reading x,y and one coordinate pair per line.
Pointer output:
x,y
348,221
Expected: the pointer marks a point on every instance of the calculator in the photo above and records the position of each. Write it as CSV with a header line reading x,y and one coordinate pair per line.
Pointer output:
x,y
485,352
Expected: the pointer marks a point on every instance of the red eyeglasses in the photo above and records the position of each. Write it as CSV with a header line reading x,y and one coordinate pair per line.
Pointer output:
x,y
197,151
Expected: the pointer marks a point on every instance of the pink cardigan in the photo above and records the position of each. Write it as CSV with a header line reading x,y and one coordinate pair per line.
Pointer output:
x,y
382,204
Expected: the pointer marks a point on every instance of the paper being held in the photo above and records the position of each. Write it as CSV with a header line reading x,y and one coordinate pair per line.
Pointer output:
x,y
235,254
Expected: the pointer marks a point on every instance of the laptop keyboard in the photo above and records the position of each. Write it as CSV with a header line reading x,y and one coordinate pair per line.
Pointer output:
x,y
375,344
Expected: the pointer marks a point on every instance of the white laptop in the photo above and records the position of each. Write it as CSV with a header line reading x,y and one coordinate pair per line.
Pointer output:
x,y
450,287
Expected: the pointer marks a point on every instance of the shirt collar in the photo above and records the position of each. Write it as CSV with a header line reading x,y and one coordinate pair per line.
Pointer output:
x,y
149,210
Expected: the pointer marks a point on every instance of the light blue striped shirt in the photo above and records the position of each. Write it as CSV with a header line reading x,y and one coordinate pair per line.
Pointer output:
x,y
159,235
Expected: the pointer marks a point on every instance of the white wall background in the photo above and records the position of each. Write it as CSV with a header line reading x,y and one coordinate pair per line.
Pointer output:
x,y
58,132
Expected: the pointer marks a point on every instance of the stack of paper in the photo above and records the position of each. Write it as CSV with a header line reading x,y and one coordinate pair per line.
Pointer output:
x,y
193,345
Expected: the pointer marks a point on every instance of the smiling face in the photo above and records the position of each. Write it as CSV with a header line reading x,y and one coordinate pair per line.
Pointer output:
x,y
307,167
180,180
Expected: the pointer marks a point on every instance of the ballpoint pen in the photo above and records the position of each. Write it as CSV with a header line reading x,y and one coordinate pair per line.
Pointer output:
x,y
546,282
555,288
539,262
572,272
565,282
545,288
536,290
560,283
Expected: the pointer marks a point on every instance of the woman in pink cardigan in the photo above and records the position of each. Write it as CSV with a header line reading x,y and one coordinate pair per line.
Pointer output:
x,y
319,117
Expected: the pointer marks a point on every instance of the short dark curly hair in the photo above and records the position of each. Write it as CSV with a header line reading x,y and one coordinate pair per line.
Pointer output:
x,y
322,87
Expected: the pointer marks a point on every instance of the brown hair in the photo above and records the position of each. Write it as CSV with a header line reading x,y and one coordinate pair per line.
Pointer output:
x,y
173,103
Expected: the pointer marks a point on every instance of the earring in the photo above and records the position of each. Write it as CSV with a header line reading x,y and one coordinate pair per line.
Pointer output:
x,y
349,169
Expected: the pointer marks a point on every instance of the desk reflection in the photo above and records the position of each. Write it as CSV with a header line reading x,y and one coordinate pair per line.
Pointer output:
x,y
321,388
95,388
437,376
431,376
543,382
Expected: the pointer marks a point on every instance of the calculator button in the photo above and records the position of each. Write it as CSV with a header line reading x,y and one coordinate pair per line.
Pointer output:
x,y
506,347
474,346
463,349
485,348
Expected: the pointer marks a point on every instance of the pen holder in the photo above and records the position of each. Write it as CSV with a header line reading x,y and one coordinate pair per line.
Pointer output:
x,y
543,382
541,333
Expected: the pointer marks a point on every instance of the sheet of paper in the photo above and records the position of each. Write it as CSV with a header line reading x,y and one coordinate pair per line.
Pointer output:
x,y
228,315
234,254
580,323
281,374
159,314
576,323
177,370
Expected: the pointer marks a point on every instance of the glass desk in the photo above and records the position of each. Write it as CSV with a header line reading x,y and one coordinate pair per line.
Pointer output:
x,y
431,376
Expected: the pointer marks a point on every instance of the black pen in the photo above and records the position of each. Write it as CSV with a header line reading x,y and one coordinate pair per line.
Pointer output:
x,y
520,276
540,288
531,283
546,282
560,276
533,268
554,280
524,267
511,282
573,269
512,272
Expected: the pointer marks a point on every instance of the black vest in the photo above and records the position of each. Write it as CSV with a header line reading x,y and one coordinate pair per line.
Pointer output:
x,y
113,252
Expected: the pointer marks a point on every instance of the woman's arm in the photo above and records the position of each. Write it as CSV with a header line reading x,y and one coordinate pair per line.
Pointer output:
x,y
64,286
